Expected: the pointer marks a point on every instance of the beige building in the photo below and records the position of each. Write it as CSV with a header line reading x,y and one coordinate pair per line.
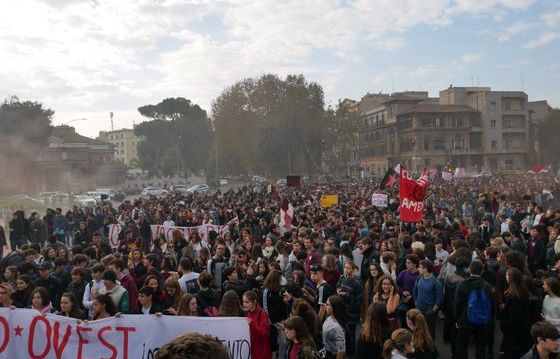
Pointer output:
x,y
125,142
471,127
505,125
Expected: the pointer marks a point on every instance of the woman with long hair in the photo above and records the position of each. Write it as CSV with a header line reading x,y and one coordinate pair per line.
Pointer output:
x,y
188,306
374,273
424,345
386,292
259,328
173,295
159,296
334,327
515,323
69,307
272,297
376,330
551,303
230,305
301,344
399,345
103,307
304,310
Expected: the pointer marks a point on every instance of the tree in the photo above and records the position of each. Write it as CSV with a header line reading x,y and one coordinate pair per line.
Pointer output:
x,y
24,132
270,125
176,140
342,138
548,135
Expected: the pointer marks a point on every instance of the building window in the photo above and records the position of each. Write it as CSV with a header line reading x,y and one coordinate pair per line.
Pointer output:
x,y
507,105
506,123
493,124
494,144
457,143
493,163
426,144
437,122
508,162
439,144
457,121
509,144
493,106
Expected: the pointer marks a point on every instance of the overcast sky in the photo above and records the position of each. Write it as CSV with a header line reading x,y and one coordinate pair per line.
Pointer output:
x,y
85,59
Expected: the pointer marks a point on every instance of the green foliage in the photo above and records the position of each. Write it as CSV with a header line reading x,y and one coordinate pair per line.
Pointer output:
x,y
549,133
24,132
267,125
177,139
342,137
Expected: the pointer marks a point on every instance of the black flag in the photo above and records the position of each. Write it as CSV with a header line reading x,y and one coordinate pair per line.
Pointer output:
x,y
389,179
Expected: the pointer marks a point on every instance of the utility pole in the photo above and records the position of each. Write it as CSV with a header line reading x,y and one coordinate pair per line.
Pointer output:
x,y
111,115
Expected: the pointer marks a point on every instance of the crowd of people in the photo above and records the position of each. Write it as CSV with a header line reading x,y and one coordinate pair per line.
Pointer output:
x,y
345,281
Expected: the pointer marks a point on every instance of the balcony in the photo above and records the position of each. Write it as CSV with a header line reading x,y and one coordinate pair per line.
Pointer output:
x,y
514,129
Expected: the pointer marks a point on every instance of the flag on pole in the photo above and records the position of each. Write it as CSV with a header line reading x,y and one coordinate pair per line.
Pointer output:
x,y
412,194
388,180
286,214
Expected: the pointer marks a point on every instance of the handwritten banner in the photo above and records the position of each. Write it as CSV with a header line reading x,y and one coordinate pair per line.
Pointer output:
x,y
157,229
379,200
24,333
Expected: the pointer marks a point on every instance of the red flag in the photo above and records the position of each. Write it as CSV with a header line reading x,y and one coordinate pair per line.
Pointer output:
x,y
412,194
286,215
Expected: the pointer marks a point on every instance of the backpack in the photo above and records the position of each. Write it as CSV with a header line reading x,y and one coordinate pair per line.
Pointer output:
x,y
478,307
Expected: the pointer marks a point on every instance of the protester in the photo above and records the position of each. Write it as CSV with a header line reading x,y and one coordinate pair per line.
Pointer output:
x,y
301,344
399,345
376,331
258,326
70,307
193,345
334,337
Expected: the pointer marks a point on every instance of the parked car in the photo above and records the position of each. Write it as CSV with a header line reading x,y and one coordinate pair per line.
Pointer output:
x,y
154,191
199,188
178,189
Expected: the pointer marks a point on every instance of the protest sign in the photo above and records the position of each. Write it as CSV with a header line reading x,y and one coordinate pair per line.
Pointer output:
x,y
328,200
446,176
379,200
25,333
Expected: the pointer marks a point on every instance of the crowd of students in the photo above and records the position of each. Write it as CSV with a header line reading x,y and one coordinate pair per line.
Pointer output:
x,y
346,281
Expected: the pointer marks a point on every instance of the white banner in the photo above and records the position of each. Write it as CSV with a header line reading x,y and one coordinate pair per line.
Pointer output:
x,y
446,176
24,333
379,200
202,231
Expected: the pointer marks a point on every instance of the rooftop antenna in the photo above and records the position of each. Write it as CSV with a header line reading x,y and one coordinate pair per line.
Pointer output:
x,y
111,115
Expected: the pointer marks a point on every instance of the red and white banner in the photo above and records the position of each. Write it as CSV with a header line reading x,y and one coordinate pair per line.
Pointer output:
x,y
412,194
202,231
114,231
25,333
286,215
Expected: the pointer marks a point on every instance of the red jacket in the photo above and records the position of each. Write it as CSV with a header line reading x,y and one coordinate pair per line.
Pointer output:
x,y
260,334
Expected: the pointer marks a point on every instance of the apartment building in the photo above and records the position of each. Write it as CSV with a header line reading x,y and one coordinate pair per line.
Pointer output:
x,y
125,143
538,113
505,125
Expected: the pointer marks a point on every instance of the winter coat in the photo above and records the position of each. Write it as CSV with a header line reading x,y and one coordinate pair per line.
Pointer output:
x,y
259,330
